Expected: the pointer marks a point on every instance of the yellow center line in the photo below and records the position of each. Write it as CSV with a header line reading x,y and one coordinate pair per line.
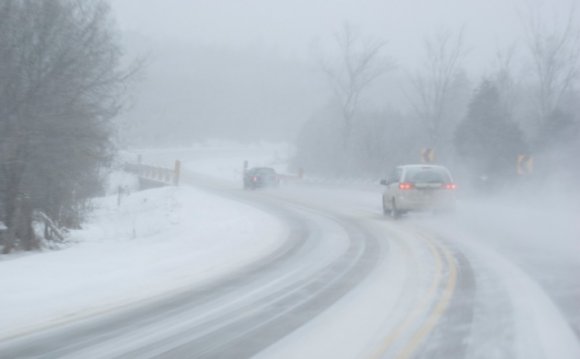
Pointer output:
x,y
418,309
422,306
439,310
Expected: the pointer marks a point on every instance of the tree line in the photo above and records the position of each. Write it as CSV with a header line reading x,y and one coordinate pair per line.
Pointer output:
x,y
479,126
61,83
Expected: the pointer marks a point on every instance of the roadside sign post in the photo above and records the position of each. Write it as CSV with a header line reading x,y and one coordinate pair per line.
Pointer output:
x,y
176,173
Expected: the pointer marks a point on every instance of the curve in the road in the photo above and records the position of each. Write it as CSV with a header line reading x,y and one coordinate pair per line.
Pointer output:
x,y
239,331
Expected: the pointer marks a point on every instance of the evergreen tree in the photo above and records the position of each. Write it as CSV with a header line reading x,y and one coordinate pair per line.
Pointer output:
x,y
558,145
487,140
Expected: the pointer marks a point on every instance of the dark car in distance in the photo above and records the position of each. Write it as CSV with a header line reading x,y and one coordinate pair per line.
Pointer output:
x,y
260,177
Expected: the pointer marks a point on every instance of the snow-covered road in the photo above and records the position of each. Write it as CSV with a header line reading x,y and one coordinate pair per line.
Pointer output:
x,y
345,282
489,304
239,314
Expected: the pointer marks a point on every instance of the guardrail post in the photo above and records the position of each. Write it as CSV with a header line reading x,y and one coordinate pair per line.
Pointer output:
x,y
176,173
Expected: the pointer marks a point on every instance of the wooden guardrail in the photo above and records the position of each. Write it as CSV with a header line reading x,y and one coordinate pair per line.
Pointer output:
x,y
289,178
156,175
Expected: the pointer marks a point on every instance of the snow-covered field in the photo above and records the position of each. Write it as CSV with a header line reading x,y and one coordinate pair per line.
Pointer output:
x,y
156,243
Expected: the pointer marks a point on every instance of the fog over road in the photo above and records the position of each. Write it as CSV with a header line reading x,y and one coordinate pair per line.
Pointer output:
x,y
299,179
345,283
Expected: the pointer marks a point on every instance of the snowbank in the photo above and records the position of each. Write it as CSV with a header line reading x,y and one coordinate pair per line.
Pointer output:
x,y
157,242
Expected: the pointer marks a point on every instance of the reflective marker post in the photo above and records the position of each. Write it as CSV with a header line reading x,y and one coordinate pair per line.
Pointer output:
x,y
176,173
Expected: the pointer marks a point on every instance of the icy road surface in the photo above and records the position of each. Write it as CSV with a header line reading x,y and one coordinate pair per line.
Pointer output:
x,y
345,282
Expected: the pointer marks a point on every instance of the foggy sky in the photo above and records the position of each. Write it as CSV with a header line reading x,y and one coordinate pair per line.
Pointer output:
x,y
291,26
171,31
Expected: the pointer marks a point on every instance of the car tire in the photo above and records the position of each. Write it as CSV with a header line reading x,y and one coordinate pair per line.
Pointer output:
x,y
395,212
386,211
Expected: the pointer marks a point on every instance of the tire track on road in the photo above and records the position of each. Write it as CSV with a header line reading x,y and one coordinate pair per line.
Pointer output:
x,y
268,319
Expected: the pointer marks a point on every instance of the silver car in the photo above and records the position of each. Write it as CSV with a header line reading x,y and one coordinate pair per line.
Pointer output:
x,y
418,188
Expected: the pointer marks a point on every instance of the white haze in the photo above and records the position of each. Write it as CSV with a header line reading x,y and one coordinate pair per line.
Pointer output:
x,y
224,82
249,71
249,68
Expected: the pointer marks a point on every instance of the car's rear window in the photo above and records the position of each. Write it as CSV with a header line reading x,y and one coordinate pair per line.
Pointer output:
x,y
427,175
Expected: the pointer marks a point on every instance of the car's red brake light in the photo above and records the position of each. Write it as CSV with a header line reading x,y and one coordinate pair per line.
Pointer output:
x,y
254,179
405,185
449,186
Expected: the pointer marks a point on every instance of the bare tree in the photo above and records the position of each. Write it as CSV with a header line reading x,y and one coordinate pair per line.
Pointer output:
x,y
555,54
360,63
432,83
61,85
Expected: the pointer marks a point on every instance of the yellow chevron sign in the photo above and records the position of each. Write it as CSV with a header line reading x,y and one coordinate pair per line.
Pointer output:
x,y
428,155
525,165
